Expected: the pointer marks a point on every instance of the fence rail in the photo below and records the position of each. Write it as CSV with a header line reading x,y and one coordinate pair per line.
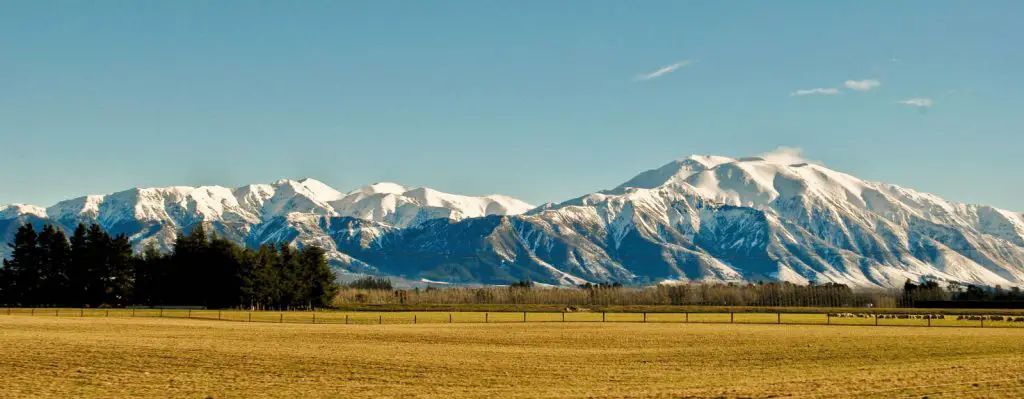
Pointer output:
x,y
431,317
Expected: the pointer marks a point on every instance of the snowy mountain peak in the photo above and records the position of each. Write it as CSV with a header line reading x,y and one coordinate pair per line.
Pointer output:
x,y
312,188
401,206
750,181
698,218
709,161
515,206
18,210
674,171
181,206
902,233
381,188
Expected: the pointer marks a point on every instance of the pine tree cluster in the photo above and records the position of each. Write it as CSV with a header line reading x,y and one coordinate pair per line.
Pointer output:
x,y
94,269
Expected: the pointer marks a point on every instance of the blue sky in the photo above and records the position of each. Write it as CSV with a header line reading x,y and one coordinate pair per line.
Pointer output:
x,y
537,99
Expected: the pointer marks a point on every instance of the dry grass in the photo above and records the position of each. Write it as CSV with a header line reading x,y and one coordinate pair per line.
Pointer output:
x,y
122,357
738,315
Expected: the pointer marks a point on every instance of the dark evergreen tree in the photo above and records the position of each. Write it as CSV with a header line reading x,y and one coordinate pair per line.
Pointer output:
x,y
95,273
321,286
223,276
78,267
20,277
54,258
151,274
289,283
94,269
188,267
119,280
265,284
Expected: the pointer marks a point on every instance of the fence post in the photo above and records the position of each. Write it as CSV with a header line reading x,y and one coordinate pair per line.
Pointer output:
x,y
602,317
645,317
314,317
732,317
524,317
486,317
876,319
346,319
250,317
929,320
778,317
218,314
563,317
189,314
828,318
414,319
687,315
449,318
380,319
281,319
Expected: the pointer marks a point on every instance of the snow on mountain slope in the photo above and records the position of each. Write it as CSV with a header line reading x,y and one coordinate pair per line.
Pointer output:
x,y
286,210
184,206
251,198
823,225
175,206
17,210
403,207
381,188
702,218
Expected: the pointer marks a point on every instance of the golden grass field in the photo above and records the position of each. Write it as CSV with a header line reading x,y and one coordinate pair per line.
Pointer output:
x,y
435,317
176,357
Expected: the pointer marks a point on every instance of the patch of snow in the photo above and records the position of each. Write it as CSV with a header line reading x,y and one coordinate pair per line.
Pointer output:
x,y
381,188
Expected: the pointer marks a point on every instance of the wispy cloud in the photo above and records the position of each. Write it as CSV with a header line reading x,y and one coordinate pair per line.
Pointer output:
x,y
818,90
919,102
662,71
862,85
787,156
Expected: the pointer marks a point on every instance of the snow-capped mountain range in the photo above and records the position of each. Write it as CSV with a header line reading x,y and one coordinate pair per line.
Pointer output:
x,y
698,218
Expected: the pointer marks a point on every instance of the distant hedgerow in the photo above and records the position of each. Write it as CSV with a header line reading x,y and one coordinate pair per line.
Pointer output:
x,y
371,283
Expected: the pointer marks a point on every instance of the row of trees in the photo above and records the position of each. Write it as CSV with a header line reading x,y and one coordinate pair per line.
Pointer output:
x,y
761,294
932,291
93,269
701,294
370,283
46,268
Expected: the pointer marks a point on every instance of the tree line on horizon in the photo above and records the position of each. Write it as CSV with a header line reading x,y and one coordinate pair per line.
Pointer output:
x,y
379,291
761,294
92,268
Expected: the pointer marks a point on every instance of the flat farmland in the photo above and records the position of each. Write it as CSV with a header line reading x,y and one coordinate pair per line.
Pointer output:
x,y
442,317
176,357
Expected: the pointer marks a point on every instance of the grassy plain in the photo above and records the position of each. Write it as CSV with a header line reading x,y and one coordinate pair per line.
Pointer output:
x,y
698,315
175,357
658,309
